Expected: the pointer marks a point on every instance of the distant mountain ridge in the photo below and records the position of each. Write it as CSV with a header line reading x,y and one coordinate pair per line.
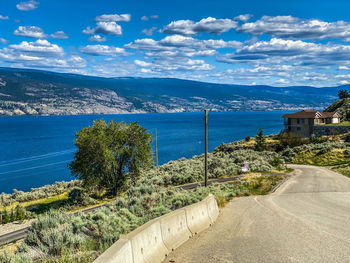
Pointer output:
x,y
35,92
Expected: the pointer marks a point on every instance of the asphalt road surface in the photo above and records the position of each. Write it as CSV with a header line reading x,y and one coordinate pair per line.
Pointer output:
x,y
307,219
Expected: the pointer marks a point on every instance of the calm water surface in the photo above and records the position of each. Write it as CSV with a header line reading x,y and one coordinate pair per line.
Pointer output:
x,y
35,150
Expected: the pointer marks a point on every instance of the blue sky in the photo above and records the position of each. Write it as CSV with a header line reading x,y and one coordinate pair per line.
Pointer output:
x,y
271,42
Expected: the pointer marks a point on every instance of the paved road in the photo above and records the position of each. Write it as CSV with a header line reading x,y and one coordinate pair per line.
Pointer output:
x,y
307,219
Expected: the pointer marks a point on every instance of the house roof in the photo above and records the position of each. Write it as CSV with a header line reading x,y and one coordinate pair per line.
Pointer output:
x,y
311,114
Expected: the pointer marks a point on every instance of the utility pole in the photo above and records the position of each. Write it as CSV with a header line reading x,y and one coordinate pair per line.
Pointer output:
x,y
206,147
156,147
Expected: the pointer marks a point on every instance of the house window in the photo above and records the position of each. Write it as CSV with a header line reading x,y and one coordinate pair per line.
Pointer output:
x,y
298,121
302,120
298,129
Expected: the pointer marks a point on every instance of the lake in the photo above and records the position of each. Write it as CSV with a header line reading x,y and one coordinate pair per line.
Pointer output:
x,y
35,150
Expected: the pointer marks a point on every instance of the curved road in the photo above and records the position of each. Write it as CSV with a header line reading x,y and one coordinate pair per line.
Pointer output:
x,y
307,219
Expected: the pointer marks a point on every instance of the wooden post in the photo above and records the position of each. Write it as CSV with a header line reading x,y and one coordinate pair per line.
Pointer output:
x,y
206,147
156,147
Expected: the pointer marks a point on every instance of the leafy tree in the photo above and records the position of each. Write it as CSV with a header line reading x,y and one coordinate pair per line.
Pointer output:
x,y
12,216
110,153
343,94
5,217
260,141
20,213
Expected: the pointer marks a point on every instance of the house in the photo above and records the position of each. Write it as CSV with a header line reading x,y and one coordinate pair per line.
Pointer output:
x,y
303,122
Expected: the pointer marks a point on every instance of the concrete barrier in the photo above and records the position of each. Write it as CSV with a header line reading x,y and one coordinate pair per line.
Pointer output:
x,y
147,243
153,241
119,252
197,217
174,227
213,209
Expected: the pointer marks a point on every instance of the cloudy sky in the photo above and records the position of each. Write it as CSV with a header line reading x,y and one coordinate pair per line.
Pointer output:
x,y
273,42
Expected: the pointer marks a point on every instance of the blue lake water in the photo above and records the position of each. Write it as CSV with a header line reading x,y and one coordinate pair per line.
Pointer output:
x,y
35,150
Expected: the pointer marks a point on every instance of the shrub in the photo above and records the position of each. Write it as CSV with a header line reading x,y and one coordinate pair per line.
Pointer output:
x,y
292,139
20,213
37,193
79,196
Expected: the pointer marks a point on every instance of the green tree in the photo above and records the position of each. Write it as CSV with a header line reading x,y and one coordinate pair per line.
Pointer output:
x,y
5,217
260,141
12,216
110,153
20,213
343,94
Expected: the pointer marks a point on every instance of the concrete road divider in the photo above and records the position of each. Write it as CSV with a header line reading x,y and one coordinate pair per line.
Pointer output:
x,y
119,252
147,243
213,209
197,217
174,229
151,242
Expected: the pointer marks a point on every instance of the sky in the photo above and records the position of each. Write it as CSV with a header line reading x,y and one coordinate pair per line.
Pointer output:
x,y
271,42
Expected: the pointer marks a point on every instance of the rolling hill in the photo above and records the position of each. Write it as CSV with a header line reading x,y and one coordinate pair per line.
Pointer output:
x,y
34,92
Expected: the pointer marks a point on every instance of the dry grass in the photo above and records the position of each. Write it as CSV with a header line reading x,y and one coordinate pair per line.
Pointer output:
x,y
42,201
334,157
343,169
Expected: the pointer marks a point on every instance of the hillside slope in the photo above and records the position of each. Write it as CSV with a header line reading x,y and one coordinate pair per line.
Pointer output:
x,y
341,106
33,92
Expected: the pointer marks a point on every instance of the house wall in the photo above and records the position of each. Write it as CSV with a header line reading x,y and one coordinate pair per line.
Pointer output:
x,y
300,126
335,120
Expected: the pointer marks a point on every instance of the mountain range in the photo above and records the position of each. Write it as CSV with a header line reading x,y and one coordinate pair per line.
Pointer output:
x,y
35,92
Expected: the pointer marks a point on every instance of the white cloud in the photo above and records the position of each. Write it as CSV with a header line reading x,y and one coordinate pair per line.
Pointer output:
x,y
103,50
344,68
59,35
142,63
293,27
282,81
39,48
30,31
3,41
106,24
107,28
4,17
146,70
28,6
149,31
172,65
40,54
97,38
146,18
243,18
347,76
184,41
113,18
207,25
178,45
344,82
297,52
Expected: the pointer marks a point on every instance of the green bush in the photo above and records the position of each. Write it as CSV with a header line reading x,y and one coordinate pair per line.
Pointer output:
x,y
37,193
79,197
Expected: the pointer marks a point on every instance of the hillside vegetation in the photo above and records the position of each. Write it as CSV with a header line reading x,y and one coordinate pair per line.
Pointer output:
x,y
62,237
342,105
33,92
